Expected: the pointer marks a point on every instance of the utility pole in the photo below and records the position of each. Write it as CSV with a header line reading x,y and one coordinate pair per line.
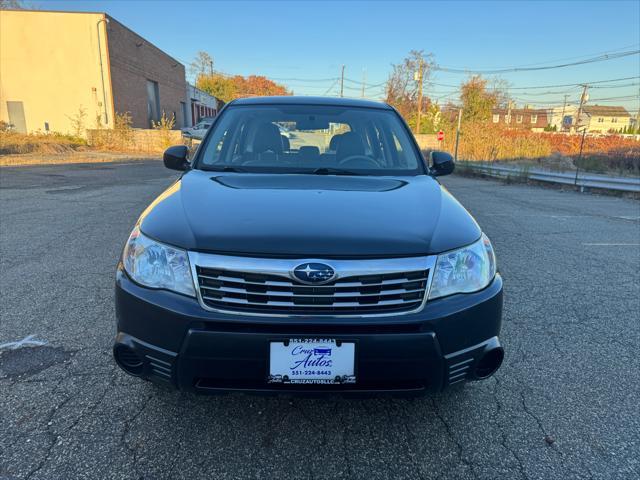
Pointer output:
x,y
420,76
211,67
342,82
564,107
455,154
364,80
575,181
583,98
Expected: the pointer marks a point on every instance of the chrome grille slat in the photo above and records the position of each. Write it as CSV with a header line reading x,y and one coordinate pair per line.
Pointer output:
x,y
338,284
275,293
265,286
237,280
291,304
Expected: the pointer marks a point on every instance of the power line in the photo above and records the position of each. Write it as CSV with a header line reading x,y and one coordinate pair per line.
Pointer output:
x,y
549,86
332,85
599,58
633,45
591,100
618,86
530,87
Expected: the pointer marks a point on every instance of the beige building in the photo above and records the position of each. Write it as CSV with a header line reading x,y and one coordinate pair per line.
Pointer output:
x,y
58,69
601,119
561,118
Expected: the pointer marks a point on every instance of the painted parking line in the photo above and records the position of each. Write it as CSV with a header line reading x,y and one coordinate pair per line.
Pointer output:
x,y
27,341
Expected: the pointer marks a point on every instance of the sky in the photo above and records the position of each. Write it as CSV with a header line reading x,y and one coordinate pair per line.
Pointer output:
x,y
304,44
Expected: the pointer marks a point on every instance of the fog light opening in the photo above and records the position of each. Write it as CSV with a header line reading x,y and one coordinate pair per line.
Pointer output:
x,y
489,363
128,359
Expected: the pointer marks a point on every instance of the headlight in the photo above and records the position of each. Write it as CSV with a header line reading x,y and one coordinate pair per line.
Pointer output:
x,y
156,265
465,270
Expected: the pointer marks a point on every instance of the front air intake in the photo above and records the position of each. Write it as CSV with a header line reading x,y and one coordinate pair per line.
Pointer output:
x,y
128,359
489,363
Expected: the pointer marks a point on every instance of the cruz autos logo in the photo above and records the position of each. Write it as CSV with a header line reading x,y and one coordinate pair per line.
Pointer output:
x,y
314,273
307,357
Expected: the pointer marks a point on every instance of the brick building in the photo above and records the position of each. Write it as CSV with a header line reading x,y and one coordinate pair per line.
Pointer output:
x,y
529,118
59,67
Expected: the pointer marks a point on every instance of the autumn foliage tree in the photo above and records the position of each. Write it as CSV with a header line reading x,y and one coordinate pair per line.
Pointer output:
x,y
402,86
477,100
227,88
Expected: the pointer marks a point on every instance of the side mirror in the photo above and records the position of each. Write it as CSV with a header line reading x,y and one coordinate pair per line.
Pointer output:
x,y
175,158
441,163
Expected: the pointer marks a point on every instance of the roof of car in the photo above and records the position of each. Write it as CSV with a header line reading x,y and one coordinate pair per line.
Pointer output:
x,y
308,100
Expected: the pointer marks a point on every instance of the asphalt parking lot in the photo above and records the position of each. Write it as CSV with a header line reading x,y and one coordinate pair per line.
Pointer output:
x,y
564,405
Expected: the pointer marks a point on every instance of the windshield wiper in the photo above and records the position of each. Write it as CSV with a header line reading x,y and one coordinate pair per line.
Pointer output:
x,y
333,171
223,168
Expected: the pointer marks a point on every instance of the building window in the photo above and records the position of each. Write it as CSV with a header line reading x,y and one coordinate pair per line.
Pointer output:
x,y
507,119
518,118
153,102
496,118
614,120
183,113
534,118
600,120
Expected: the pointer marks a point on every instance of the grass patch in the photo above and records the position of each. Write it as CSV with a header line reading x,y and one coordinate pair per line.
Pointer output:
x,y
13,143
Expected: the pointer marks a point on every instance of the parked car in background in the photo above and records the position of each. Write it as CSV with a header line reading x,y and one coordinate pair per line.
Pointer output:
x,y
313,268
199,129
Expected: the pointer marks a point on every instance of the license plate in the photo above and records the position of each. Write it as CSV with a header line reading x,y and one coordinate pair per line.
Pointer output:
x,y
323,361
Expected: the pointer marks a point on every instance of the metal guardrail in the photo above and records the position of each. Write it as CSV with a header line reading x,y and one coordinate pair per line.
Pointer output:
x,y
587,180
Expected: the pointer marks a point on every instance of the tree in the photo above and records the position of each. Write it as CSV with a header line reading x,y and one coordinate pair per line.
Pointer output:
x,y
432,119
259,85
217,85
202,64
477,101
402,86
228,88
499,87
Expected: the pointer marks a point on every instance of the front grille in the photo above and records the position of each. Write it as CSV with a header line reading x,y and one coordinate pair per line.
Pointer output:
x,y
378,293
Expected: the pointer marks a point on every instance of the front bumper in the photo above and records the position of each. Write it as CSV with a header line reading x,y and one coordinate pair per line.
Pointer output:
x,y
179,343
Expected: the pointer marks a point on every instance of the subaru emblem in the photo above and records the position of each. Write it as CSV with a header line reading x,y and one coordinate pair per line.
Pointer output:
x,y
314,273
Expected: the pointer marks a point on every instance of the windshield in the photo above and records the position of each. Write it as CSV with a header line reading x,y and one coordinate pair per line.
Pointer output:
x,y
310,139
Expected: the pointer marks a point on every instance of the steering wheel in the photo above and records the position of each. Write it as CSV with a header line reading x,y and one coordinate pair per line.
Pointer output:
x,y
359,161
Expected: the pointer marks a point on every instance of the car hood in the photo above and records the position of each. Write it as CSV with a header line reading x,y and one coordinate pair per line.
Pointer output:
x,y
309,215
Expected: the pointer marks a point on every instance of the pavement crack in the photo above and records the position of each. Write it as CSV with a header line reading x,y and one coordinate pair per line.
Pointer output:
x,y
504,440
455,441
53,437
127,429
